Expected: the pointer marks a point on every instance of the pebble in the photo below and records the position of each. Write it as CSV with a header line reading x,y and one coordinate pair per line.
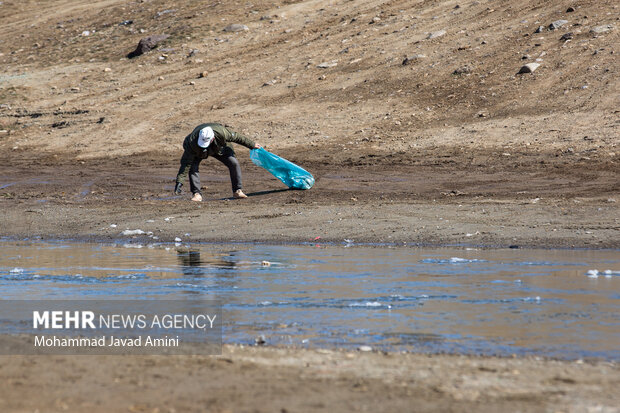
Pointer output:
x,y
557,24
529,68
602,29
75,89
364,348
236,28
567,36
540,29
203,74
410,59
177,239
436,34
570,10
326,65
107,69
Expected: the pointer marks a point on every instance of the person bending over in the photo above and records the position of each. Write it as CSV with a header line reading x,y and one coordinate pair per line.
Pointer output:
x,y
211,139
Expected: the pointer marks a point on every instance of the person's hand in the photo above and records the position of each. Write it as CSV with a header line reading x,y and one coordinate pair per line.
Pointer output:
x,y
257,146
177,188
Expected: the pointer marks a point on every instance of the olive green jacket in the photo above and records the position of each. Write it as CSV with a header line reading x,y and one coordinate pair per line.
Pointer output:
x,y
220,144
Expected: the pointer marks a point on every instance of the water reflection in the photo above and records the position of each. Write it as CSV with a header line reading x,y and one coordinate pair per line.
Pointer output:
x,y
454,300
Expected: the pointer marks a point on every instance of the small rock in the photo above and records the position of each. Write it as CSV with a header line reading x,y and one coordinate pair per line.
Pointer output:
x,y
192,83
602,29
147,44
265,264
160,78
567,36
260,340
557,24
203,74
540,29
364,348
529,68
236,28
326,65
410,59
86,33
126,23
75,89
3,132
107,69
462,71
570,10
436,34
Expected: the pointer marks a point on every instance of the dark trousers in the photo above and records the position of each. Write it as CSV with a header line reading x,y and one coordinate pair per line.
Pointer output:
x,y
228,159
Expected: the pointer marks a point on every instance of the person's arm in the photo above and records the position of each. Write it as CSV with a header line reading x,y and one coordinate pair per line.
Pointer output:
x,y
239,139
186,163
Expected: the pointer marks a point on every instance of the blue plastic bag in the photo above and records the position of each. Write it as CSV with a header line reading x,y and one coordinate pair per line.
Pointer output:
x,y
290,174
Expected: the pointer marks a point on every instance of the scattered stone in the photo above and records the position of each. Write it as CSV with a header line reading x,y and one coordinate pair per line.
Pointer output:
x,y
364,348
177,239
160,78
570,10
4,132
203,74
602,29
236,28
557,24
375,20
462,71
540,29
192,83
326,65
86,33
107,69
528,68
265,264
193,52
161,13
126,23
566,36
436,34
75,89
260,340
147,44
410,59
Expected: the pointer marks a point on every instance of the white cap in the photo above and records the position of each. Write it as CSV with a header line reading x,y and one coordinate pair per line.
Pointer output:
x,y
205,137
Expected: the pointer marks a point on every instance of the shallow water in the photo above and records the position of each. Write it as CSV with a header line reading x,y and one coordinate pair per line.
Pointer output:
x,y
544,302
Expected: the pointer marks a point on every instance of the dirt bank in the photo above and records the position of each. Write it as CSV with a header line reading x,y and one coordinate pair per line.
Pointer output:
x,y
425,202
250,379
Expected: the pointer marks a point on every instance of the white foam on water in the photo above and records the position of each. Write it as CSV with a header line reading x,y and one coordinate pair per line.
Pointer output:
x,y
133,245
17,270
370,304
606,273
133,232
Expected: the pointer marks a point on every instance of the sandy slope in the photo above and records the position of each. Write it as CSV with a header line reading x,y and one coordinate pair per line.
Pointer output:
x,y
451,144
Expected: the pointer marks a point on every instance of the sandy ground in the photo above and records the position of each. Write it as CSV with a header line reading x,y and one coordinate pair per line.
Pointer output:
x,y
451,148
254,379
